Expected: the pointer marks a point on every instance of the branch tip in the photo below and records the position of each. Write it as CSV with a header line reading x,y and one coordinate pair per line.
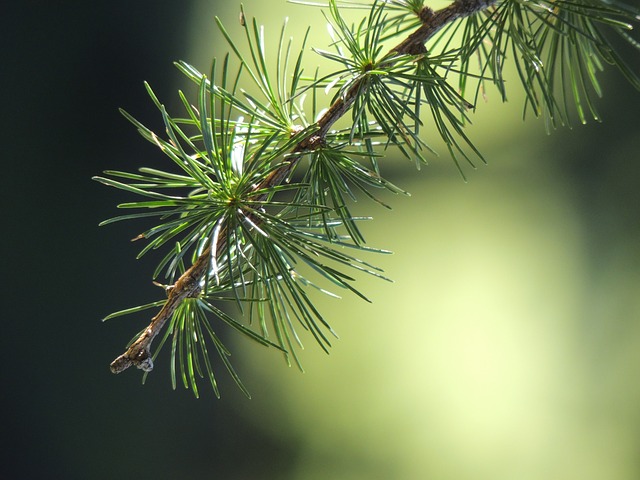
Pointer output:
x,y
134,356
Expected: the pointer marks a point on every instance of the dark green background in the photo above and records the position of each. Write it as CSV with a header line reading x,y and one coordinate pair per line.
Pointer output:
x,y
66,68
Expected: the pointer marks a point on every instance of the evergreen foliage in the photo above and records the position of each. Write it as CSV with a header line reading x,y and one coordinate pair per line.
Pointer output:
x,y
256,211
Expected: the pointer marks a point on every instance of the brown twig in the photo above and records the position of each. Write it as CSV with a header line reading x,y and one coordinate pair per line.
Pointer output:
x,y
188,285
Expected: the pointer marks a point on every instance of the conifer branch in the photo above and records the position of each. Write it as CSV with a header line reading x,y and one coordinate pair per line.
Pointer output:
x,y
189,283
250,244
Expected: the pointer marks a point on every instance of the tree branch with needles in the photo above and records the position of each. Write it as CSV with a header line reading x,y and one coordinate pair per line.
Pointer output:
x,y
188,285
384,93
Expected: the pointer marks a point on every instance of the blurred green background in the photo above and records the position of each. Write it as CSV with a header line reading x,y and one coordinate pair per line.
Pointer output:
x,y
507,348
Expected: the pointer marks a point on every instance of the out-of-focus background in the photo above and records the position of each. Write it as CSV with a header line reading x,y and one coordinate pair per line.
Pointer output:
x,y
507,348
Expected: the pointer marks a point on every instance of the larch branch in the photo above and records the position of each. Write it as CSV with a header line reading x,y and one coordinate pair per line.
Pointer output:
x,y
189,283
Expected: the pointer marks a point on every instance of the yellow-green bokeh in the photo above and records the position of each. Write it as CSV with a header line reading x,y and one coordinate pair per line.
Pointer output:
x,y
501,351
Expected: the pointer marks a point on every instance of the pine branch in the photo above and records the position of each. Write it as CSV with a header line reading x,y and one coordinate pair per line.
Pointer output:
x,y
189,283
251,244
